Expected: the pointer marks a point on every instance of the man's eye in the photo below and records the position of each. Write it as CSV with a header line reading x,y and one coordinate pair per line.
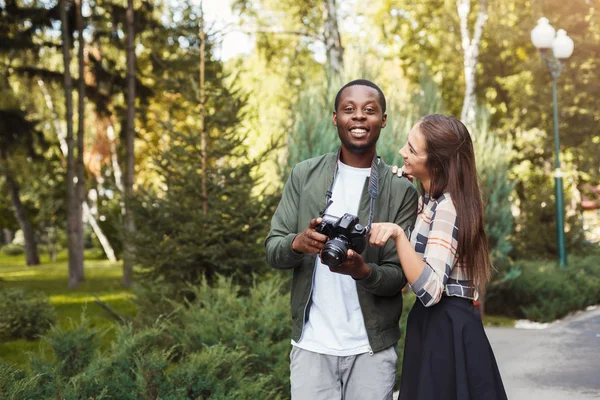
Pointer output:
x,y
349,109
369,110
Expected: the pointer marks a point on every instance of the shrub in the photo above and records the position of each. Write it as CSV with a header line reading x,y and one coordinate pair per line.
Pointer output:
x,y
24,315
258,323
13,250
172,360
73,348
544,292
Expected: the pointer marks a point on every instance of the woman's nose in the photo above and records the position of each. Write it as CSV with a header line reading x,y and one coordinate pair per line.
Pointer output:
x,y
401,151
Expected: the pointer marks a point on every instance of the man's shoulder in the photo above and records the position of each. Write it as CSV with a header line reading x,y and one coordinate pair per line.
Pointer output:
x,y
314,163
396,183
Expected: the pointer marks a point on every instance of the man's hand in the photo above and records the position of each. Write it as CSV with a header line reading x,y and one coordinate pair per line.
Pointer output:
x,y
310,241
400,172
354,266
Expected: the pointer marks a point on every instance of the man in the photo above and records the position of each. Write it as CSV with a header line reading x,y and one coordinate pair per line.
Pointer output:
x,y
345,317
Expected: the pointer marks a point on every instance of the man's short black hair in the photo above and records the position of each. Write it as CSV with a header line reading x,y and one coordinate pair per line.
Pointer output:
x,y
361,82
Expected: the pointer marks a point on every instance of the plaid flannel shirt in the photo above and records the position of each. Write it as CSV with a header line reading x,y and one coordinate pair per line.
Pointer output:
x,y
435,238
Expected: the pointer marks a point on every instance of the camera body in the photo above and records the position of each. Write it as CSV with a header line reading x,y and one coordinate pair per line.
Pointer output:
x,y
344,233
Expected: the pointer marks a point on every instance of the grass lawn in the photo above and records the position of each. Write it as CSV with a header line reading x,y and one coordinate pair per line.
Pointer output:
x,y
103,280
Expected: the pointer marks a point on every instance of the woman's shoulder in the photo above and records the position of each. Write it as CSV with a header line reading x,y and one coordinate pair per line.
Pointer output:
x,y
445,203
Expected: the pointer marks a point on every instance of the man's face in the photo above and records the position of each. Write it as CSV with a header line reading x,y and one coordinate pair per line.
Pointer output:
x,y
359,118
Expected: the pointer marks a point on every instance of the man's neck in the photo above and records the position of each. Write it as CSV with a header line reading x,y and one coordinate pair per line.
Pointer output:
x,y
357,160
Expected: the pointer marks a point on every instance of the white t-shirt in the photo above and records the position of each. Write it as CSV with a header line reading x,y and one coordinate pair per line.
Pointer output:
x,y
335,324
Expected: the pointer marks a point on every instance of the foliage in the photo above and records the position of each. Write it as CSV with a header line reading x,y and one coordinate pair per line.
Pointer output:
x,y
408,300
493,164
74,348
545,292
177,359
24,315
185,234
259,324
313,132
13,249
535,189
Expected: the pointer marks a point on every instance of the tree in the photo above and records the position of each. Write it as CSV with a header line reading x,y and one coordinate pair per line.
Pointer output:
x,y
470,55
79,165
74,220
202,102
332,39
128,258
18,134
306,20
177,243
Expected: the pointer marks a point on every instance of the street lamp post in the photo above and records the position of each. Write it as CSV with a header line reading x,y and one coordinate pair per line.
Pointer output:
x,y
545,39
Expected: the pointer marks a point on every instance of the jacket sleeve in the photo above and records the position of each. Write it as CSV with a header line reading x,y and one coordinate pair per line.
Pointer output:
x,y
387,277
284,227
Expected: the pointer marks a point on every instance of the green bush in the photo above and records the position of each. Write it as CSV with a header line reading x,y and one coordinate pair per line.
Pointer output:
x,y
258,323
13,250
535,233
24,315
544,292
73,348
221,345
409,299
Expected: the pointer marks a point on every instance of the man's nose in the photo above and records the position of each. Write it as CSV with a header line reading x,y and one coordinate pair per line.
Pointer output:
x,y
359,115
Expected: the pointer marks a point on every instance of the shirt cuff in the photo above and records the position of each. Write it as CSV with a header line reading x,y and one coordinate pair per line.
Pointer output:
x,y
419,285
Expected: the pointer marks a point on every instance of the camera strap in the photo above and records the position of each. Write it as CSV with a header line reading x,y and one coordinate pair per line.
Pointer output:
x,y
373,187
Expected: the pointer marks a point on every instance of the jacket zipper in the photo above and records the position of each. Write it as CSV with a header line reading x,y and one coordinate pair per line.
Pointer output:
x,y
304,316
366,330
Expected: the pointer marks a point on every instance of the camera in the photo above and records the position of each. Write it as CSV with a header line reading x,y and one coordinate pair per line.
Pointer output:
x,y
344,233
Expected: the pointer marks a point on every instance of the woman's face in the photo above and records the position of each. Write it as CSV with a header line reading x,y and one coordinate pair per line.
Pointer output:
x,y
415,155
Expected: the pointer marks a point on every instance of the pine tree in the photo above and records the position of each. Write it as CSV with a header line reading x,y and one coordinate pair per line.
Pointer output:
x,y
177,242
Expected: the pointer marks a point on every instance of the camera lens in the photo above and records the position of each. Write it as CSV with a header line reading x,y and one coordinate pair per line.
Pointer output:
x,y
335,252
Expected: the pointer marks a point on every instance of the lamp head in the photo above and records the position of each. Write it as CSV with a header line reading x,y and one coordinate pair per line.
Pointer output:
x,y
562,45
542,35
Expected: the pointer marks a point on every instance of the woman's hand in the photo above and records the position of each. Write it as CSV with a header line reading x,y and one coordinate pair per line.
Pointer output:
x,y
383,231
400,172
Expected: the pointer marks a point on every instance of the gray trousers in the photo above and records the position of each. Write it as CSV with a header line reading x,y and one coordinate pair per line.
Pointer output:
x,y
317,376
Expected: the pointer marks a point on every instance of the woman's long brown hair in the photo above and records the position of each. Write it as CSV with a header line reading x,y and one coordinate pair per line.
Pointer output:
x,y
451,164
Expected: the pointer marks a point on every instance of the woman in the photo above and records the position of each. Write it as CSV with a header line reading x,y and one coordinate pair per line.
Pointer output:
x,y
446,261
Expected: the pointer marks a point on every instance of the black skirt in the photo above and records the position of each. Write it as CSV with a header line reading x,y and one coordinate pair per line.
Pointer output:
x,y
447,355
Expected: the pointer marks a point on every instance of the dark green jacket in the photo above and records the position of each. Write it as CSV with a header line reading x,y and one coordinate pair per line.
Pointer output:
x,y
380,293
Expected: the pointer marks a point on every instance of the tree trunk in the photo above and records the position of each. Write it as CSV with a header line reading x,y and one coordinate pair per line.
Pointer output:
x,y
114,159
470,56
74,221
202,112
128,253
21,214
332,40
108,250
80,168
8,235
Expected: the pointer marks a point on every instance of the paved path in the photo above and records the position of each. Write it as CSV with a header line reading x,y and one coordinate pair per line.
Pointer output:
x,y
561,362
